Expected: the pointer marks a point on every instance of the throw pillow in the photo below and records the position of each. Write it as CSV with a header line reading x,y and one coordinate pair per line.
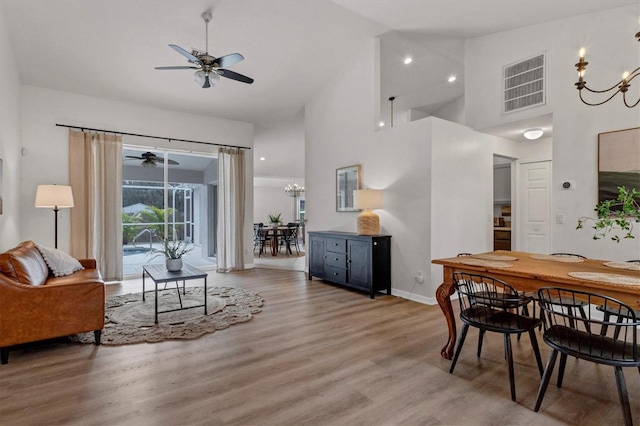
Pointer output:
x,y
59,262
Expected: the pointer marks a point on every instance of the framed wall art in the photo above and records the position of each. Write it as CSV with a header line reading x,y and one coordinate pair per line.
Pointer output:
x,y
618,162
347,181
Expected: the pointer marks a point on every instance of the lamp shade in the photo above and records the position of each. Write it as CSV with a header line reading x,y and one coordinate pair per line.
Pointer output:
x,y
367,198
54,196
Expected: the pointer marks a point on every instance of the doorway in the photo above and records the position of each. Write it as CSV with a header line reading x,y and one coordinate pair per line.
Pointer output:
x,y
502,203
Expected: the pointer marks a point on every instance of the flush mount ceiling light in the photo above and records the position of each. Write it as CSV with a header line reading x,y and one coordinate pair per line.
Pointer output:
x,y
451,79
262,158
408,60
381,124
533,134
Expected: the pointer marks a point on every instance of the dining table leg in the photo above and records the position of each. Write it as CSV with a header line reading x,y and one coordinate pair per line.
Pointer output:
x,y
443,296
274,243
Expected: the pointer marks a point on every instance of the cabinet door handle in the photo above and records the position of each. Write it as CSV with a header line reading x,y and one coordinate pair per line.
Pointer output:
x,y
335,273
335,258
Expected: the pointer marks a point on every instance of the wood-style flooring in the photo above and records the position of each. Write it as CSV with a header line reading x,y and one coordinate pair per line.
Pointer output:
x,y
316,355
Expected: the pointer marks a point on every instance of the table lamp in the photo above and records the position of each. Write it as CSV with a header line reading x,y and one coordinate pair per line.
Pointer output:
x,y
54,197
368,199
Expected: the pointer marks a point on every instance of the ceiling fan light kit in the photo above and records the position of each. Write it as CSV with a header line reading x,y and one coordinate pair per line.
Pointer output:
x,y
208,68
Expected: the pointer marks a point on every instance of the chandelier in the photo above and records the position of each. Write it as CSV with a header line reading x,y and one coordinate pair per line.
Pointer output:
x,y
294,190
621,86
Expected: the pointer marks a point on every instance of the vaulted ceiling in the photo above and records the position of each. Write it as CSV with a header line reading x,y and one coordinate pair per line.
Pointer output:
x,y
110,48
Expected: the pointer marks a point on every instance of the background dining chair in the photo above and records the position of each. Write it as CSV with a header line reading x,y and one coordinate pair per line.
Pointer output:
x,y
571,304
492,305
260,239
608,312
563,332
289,237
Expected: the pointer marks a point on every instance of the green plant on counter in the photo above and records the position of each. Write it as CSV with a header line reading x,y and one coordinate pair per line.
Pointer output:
x,y
274,217
615,215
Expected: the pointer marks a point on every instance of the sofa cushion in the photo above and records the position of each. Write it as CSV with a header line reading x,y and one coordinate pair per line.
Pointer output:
x,y
59,262
25,264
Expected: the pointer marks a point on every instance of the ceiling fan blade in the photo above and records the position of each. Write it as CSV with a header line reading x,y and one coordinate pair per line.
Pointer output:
x,y
174,162
179,67
228,60
136,158
235,76
186,54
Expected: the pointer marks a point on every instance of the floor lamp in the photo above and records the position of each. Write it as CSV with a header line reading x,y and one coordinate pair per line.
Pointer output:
x,y
54,197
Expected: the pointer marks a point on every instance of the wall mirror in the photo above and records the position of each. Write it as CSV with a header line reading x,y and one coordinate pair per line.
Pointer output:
x,y
347,181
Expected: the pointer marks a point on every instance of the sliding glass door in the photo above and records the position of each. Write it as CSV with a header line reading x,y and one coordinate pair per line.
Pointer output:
x,y
165,195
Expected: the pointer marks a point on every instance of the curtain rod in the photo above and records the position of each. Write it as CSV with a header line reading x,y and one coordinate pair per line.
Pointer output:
x,y
150,137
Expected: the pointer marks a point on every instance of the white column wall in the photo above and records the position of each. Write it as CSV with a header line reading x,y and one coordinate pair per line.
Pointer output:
x,y
611,49
47,147
10,141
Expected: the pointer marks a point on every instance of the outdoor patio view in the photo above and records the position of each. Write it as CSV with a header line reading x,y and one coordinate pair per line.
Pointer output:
x,y
148,217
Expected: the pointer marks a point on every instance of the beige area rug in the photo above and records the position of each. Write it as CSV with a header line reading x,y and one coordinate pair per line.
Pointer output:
x,y
129,320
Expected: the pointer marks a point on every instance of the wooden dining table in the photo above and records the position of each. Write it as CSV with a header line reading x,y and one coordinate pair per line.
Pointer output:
x,y
274,233
529,272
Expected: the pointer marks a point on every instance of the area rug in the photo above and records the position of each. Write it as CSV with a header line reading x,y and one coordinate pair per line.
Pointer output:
x,y
129,320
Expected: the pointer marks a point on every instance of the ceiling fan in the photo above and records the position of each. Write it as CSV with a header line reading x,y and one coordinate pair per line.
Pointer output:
x,y
149,159
209,68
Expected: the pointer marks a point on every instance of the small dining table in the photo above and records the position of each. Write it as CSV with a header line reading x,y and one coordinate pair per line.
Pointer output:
x,y
529,272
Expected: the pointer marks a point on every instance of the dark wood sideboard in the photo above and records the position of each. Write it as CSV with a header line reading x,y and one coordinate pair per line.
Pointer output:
x,y
361,262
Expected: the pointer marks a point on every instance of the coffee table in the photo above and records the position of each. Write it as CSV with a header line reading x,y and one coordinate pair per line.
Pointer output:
x,y
159,274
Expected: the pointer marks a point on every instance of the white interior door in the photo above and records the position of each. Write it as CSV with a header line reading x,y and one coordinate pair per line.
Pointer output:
x,y
534,212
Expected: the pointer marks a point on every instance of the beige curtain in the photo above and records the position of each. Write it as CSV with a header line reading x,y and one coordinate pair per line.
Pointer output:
x,y
231,194
95,175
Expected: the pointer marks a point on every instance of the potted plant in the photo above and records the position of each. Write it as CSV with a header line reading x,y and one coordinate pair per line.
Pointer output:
x,y
173,250
274,219
616,215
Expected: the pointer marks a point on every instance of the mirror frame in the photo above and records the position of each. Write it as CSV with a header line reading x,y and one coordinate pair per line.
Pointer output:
x,y
346,186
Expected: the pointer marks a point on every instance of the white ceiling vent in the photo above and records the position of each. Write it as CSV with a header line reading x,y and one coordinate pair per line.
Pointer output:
x,y
524,84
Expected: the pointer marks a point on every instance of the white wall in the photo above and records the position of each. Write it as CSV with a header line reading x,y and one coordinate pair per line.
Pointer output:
x,y
436,176
10,219
611,48
47,146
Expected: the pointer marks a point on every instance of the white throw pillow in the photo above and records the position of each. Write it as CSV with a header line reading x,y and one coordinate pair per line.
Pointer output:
x,y
59,262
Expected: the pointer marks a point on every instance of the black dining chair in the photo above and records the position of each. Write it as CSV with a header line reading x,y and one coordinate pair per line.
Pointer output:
x,y
289,238
260,239
608,312
564,333
492,305
571,305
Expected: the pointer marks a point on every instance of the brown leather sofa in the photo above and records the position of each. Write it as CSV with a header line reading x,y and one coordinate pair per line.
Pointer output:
x,y
35,305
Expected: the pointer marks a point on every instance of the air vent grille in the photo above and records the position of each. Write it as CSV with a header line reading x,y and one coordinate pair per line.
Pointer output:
x,y
524,84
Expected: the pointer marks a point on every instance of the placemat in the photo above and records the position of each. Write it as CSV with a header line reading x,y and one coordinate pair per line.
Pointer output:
x,y
490,263
566,259
631,266
494,257
607,278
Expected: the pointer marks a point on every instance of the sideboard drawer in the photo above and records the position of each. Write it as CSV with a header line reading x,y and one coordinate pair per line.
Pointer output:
x,y
338,275
338,260
338,245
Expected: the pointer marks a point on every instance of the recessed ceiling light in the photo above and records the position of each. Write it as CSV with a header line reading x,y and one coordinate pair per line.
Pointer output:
x,y
381,124
408,60
451,79
262,158
533,134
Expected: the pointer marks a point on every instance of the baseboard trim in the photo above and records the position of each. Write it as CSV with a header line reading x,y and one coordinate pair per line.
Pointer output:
x,y
414,297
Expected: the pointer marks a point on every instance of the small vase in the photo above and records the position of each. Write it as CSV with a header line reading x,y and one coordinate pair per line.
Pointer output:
x,y
174,265
274,225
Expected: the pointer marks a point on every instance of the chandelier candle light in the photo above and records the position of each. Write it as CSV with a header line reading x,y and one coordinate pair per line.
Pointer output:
x,y
621,86
368,199
294,190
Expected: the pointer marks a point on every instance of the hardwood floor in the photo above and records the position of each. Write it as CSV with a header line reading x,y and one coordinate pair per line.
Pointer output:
x,y
316,354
